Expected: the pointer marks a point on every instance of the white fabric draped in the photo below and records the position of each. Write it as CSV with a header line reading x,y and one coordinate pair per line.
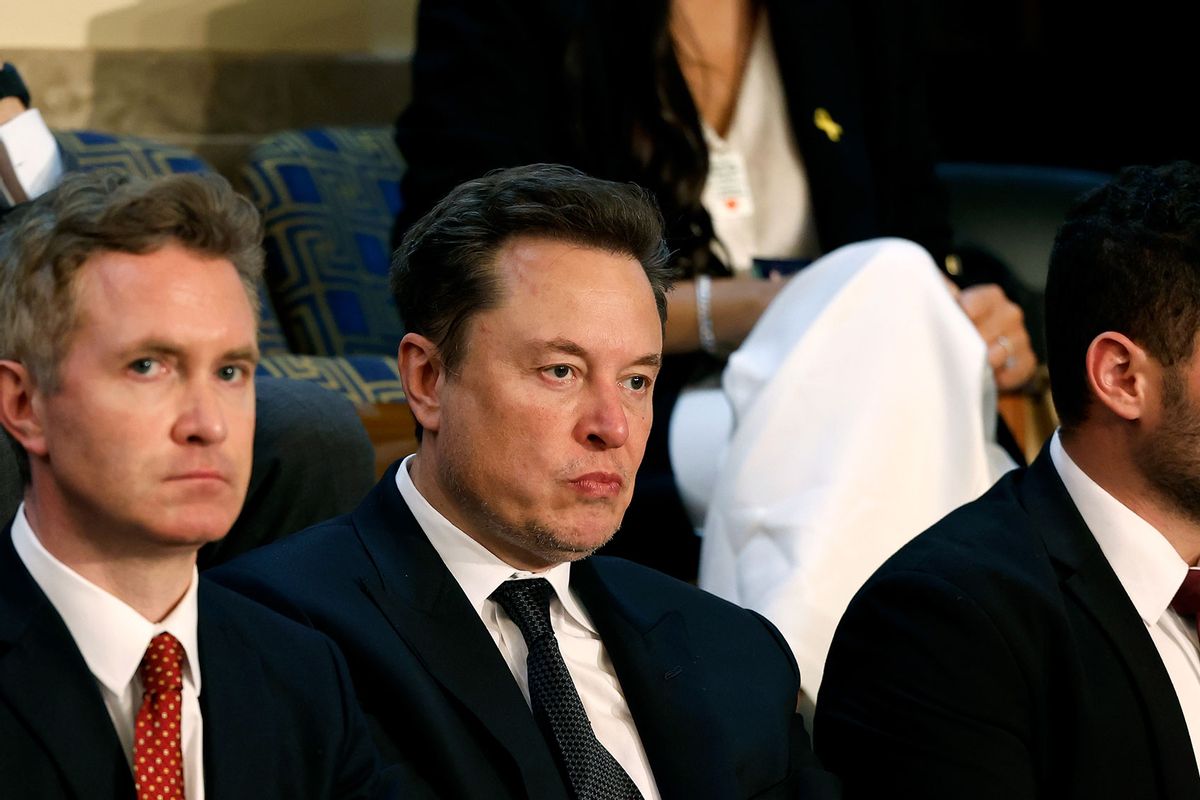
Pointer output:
x,y
864,410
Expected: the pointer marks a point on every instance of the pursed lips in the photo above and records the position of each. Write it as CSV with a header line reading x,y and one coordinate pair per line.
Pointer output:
x,y
598,484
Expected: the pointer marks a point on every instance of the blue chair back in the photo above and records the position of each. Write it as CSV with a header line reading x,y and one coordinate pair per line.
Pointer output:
x,y
329,197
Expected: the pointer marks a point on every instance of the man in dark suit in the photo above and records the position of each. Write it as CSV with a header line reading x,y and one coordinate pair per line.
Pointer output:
x,y
1041,640
460,590
291,456
127,350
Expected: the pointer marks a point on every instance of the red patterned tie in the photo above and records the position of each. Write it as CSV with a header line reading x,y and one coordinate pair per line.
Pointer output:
x,y
1187,599
157,748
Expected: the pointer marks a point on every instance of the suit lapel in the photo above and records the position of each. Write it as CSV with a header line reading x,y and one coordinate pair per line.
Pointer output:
x,y
1088,577
47,684
665,687
426,607
232,691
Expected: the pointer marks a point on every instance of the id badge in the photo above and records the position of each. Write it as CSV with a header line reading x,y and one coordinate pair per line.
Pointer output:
x,y
729,186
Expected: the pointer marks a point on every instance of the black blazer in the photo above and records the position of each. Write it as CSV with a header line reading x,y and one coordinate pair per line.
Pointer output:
x,y
712,687
997,656
280,719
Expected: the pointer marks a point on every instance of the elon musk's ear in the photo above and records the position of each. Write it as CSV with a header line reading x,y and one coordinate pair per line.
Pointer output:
x,y
423,376
18,411
1120,374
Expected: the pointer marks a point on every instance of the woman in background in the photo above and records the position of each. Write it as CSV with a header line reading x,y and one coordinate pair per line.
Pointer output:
x,y
773,131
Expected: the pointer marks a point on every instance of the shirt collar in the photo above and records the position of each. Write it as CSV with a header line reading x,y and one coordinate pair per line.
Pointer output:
x,y
111,636
478,570
1148,567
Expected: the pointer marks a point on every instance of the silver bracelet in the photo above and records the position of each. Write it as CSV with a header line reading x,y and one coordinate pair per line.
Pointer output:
x,y
704,321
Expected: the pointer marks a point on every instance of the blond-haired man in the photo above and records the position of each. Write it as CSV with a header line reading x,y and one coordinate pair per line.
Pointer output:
x,y
127,349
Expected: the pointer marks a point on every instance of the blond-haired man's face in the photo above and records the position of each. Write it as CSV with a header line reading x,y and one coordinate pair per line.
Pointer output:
x,y
145,444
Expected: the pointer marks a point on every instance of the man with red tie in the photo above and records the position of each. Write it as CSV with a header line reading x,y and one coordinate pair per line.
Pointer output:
x,y
302,473
127,351
1041,641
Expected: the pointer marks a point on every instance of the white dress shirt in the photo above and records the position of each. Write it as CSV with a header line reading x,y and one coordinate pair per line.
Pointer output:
x,y
479,573
112,637
1151,572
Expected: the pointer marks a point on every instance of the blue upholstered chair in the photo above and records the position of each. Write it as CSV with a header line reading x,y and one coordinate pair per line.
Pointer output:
x,y
366,380
88,150
329,197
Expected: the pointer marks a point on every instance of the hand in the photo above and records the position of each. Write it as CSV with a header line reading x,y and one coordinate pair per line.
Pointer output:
x,y
1001,324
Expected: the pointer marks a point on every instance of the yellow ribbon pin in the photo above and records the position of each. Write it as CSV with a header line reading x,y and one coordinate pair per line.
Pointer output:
x,y
826,125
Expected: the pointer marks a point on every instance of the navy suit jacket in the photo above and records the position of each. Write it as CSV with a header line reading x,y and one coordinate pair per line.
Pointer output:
x,y
998,656
280,719
712,687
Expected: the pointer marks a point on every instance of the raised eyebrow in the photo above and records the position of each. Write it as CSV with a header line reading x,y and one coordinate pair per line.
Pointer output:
x,y
649,360
243,354
565,346
155,348
568,347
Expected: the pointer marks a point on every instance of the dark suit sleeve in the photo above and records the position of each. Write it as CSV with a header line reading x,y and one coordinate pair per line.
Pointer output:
x,y
923,697
359,763
808,778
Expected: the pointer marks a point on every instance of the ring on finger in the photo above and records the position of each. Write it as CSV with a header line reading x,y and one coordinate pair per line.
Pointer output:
x,y
1010,358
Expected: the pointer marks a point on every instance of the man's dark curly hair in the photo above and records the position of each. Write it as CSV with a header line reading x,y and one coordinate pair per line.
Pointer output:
x,y
1127,259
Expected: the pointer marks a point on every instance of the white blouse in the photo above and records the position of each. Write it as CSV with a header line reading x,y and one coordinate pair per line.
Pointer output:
x,y
757,190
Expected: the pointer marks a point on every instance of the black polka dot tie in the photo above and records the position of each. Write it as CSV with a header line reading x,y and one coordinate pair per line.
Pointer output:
x,y
157,734
590,771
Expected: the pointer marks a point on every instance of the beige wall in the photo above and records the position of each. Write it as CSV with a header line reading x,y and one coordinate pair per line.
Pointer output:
x,y
212,75
378,27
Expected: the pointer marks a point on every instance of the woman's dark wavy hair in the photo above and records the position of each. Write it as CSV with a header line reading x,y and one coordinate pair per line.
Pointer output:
x,y
665,148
